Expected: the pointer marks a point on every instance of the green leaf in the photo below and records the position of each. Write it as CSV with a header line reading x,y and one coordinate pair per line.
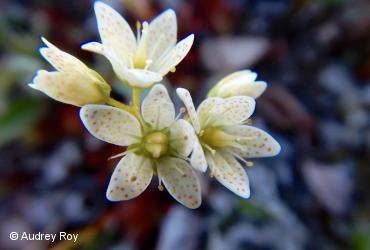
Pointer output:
x,y
254,211
18,119
361,240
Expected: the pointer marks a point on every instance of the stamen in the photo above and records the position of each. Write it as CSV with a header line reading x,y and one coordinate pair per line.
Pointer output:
x,y
138,31
147,63
118,155
248,163
209,148
201,133
211,174
173,70
182,110
123,153
249,122
160,187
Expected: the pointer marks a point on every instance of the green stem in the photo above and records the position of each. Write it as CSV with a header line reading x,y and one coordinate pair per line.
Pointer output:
x,y
120,105
135,105
136,98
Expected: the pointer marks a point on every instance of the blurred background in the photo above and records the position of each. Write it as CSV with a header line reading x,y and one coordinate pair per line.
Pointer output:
x,y
315,56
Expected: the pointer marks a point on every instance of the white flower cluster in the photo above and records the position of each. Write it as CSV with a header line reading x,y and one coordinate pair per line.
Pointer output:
x,y
156,140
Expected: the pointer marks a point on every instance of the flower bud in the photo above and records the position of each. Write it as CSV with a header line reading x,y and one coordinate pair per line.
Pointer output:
x,y
73,82
71,87
240,83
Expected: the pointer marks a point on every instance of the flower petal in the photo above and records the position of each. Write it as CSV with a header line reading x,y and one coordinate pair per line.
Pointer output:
x,y
94,47
224,112
130,178
140,78
198,159
134,77
157,108
111,124
61,60
180,181
173,57
239,83
229,173
115,33
71,88
209,109
182,137
261,143
188,102
162,34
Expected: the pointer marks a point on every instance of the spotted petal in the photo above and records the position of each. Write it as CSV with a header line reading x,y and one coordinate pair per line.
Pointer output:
x,y
111,124
157,108
162,35
130,178
180,181
198,159
224,112
209,110
229,173
259,144
115,33
63,61
188,102
173,57
182,137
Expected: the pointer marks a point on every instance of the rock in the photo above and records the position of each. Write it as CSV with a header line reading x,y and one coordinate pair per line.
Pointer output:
x,y
331,184
180,230
233,53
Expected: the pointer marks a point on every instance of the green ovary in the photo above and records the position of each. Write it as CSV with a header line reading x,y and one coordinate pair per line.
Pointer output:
x,y
216,138
156,144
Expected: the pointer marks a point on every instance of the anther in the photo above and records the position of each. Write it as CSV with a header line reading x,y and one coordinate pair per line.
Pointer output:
x,y
138,30
182,110
249,163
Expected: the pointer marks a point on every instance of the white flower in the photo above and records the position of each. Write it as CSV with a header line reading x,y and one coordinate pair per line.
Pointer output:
x,y
240,83
73,82
223,138
156,147
143,61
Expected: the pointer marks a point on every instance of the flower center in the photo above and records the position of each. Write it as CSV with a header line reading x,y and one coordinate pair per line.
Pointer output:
x,y
156,144
140,59
215,137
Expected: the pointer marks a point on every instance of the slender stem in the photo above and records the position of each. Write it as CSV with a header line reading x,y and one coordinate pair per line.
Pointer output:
x,y
136,98
135,105
120,105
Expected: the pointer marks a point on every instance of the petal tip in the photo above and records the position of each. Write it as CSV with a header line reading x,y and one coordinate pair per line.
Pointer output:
x,y
99,4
